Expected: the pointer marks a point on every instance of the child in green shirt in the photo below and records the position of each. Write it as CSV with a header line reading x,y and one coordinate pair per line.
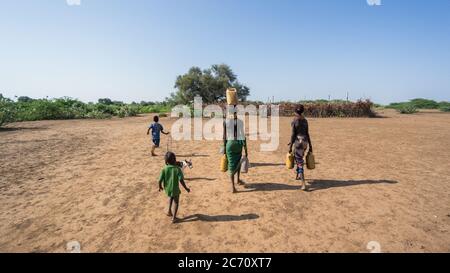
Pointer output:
x,y
171,176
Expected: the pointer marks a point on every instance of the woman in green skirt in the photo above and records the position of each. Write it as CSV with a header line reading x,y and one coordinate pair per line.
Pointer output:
x,y
234,142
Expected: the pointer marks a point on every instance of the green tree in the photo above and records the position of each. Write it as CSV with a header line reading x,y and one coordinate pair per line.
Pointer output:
x,y
105,101
424,104
210,84
24,99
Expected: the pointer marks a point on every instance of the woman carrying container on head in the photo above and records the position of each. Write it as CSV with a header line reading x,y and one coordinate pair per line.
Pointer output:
x,y
300,140
234,142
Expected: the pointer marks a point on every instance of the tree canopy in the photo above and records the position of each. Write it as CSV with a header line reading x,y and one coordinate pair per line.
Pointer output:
x,y
210,84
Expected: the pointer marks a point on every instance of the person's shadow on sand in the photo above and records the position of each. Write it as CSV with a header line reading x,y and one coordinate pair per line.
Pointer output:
x,y
191,155
269,187
13,129
256,165
318,184
218,218
200,178
315,185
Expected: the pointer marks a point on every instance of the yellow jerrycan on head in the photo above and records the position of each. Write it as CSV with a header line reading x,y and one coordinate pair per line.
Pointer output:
x,y
289,161
224,163
232,98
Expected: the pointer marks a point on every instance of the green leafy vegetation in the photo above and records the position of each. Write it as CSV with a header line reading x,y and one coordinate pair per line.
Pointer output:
x,y
444,106
407,109
210,84
414,105
7,110
28,109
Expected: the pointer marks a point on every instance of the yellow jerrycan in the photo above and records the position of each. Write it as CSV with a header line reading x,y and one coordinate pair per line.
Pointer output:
x,y
289,161
224,163
232,98
310,161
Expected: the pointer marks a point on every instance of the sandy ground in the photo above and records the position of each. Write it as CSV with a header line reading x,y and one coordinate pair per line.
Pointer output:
x,y
93,181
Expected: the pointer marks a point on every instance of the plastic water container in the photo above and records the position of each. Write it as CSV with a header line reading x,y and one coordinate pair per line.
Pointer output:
x,y
289,161
245,164
224,163
232,98
310,161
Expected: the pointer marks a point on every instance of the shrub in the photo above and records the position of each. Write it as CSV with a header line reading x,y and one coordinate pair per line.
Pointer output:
x,y
7,110
397,105
155,108
126,111
407,109
105,108
444,106
41,109
416,103
97,115
424,104
412,106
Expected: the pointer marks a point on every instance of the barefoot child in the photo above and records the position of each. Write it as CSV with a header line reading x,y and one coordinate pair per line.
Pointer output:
x,y
171,176
157,129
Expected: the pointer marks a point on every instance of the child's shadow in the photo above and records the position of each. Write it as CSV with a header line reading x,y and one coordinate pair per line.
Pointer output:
x,y
219,218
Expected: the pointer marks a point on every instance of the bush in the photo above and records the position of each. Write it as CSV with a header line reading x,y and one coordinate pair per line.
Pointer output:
x,y
397,105
416,103
407,109
7,110
109,109
424,104
38,110
155,108
444,106
27,109
97,115
126,111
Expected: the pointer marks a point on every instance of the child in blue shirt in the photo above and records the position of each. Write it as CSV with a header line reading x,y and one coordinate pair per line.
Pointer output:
x,y
157,129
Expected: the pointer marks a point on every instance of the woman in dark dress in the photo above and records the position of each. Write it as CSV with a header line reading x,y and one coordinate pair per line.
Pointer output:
x,y
300,141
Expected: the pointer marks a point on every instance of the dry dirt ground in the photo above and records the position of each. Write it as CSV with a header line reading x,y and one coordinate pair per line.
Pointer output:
x,y
93,181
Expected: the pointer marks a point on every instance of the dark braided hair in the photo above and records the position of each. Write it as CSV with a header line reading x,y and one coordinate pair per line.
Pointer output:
x,y
170,158
300,110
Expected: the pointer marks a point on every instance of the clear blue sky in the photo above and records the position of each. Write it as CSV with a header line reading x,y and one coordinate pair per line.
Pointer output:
x,y
133,50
